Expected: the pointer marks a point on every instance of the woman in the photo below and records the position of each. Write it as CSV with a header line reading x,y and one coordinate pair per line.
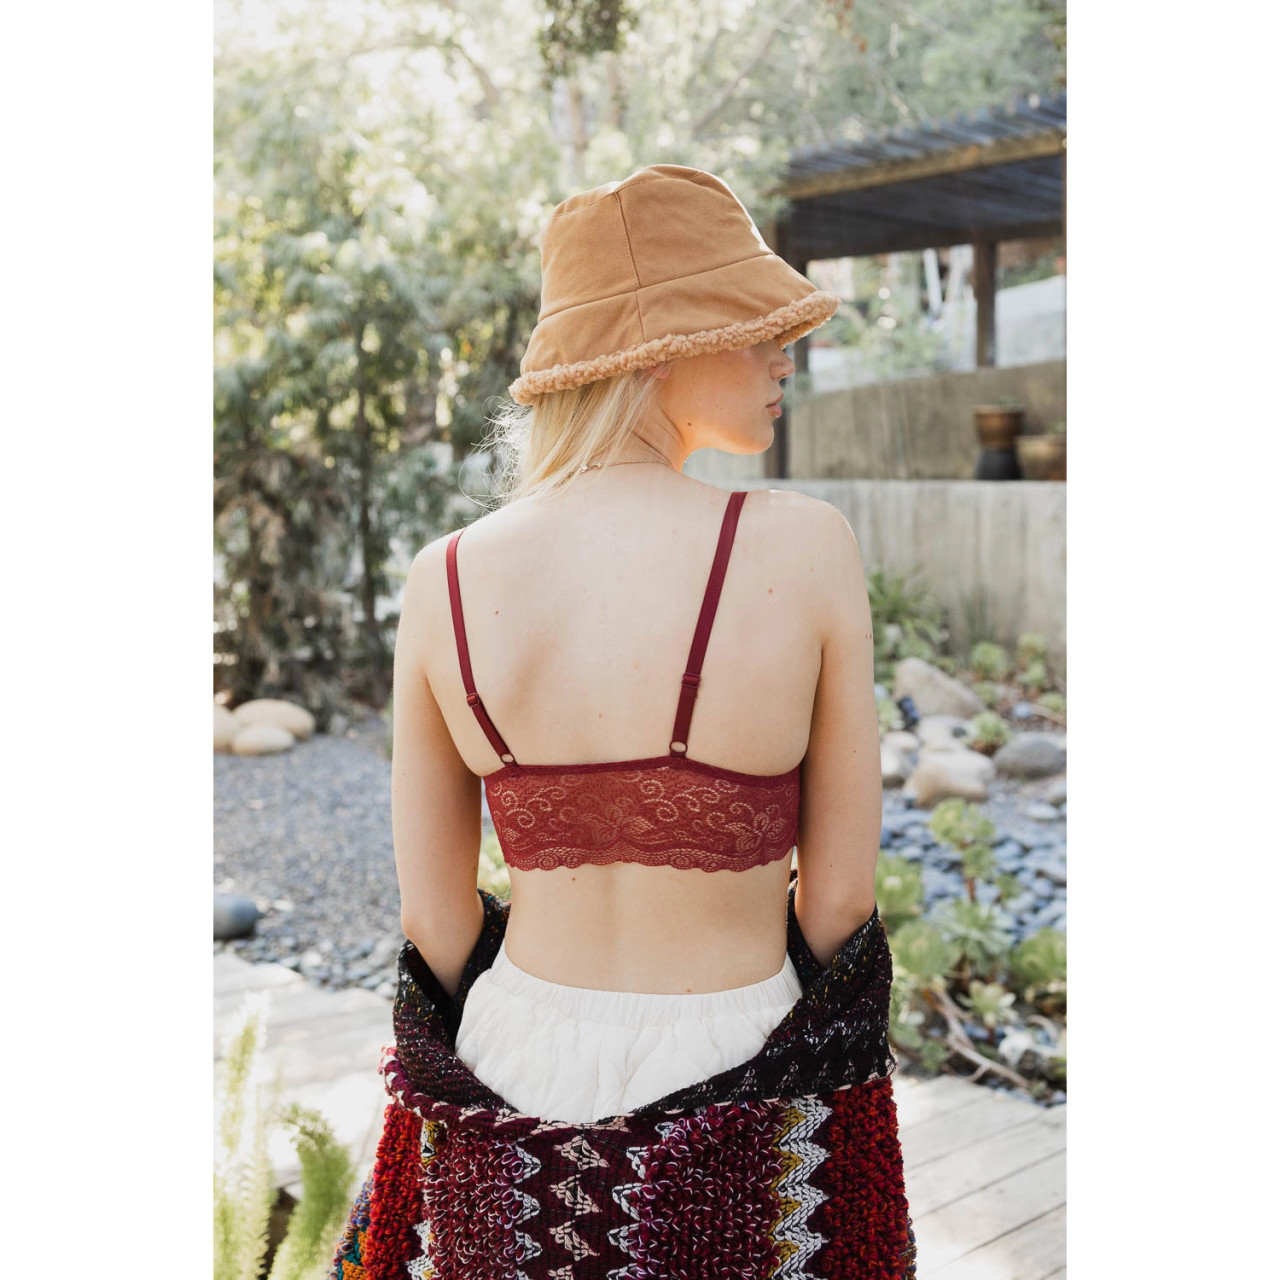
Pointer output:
x,y
667,1055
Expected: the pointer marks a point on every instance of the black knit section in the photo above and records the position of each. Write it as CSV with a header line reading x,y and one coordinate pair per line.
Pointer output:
x,y
426,1019
835,1035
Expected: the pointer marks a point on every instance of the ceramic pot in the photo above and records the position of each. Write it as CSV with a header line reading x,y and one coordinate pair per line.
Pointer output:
x,y
1043,457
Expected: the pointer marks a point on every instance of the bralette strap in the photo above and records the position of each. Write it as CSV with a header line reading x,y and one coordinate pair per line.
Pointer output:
x,y
702,633
464,657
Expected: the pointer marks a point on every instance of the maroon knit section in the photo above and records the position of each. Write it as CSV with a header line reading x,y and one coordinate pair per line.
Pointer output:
x,y
581,1223
474,1207
864,1220
669,811
707,1204
395,1206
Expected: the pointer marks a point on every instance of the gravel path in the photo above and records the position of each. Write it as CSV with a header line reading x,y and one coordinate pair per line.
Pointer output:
x,y
307,835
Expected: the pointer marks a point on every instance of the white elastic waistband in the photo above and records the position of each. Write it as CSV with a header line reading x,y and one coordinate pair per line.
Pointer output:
x,y
644,1008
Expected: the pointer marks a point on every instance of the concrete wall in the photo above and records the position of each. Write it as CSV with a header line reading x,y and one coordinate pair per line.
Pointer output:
x,y
911,428
1005,540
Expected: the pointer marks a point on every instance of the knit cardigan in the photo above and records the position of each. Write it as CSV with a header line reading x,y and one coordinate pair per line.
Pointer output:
x,y
787,1166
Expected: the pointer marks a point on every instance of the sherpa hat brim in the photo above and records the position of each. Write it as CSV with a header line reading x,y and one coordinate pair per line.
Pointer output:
x,y
663,265
788,322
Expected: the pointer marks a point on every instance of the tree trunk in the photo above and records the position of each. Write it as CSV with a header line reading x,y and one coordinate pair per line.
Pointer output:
x,y
375,654
577,129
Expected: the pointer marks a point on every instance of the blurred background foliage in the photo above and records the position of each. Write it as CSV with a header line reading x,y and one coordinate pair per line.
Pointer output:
x,y
382,170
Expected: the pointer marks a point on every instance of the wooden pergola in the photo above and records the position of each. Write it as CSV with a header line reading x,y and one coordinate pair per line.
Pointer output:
x,y
990,175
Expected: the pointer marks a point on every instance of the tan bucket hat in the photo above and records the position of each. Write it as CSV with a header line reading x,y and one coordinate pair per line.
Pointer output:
x,y
664,264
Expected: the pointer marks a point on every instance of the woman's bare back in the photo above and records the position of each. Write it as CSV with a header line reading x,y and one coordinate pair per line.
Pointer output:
x,y
580,610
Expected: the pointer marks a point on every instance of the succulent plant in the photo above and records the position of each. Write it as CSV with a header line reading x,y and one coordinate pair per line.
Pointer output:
x,y
988,732
990,1002
989,660
899,891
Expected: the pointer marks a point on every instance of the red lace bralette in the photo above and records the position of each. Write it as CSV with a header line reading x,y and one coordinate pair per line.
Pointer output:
x,y
660,811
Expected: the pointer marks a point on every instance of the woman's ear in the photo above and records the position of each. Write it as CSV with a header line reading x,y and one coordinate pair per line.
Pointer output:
x,y
661,370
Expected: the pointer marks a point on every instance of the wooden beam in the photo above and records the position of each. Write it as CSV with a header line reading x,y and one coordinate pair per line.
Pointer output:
x,y
984,291
886,241
978,156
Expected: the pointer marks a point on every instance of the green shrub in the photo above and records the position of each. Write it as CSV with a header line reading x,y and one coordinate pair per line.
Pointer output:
x,y
958,823
989,660
1038,966
1035,677
962,958
899,891
494,875
977,862
974,927
907,1022
987,732
888,715
1032,646
989,692
922,951
917,647
989,1002
967,830
907,621
1053,702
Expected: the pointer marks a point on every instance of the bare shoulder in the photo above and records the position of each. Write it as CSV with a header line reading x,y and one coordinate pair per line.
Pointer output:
x,y
812,531
429,563
425,605
815,545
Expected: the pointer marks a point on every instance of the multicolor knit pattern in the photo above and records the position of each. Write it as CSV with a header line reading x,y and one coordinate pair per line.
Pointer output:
x,y
787,1167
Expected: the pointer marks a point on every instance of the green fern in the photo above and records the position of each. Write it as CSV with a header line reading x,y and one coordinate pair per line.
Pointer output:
x,y
244,1185
494,877
243,1189
328,1175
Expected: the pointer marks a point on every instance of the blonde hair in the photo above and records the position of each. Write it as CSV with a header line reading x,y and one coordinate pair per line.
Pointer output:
x,y
541,446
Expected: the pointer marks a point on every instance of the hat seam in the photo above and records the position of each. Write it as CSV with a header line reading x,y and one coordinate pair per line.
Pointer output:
x,y
691,275
591,204
635,271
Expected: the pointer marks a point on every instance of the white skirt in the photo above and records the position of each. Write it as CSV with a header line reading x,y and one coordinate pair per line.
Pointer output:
x,y
579,1054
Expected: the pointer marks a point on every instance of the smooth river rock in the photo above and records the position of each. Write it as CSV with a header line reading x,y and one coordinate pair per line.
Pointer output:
x,y
279,712
234,916
261,740
941,774
1031,755
933,691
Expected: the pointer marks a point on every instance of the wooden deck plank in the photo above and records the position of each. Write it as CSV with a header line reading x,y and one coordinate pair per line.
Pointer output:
x,y
935,1098
980,1163
1032,1251
979,1220
327,1045
292,1005
231,974
950,1130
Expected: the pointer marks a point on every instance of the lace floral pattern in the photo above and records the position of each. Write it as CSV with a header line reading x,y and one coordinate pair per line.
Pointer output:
x,y
669,811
